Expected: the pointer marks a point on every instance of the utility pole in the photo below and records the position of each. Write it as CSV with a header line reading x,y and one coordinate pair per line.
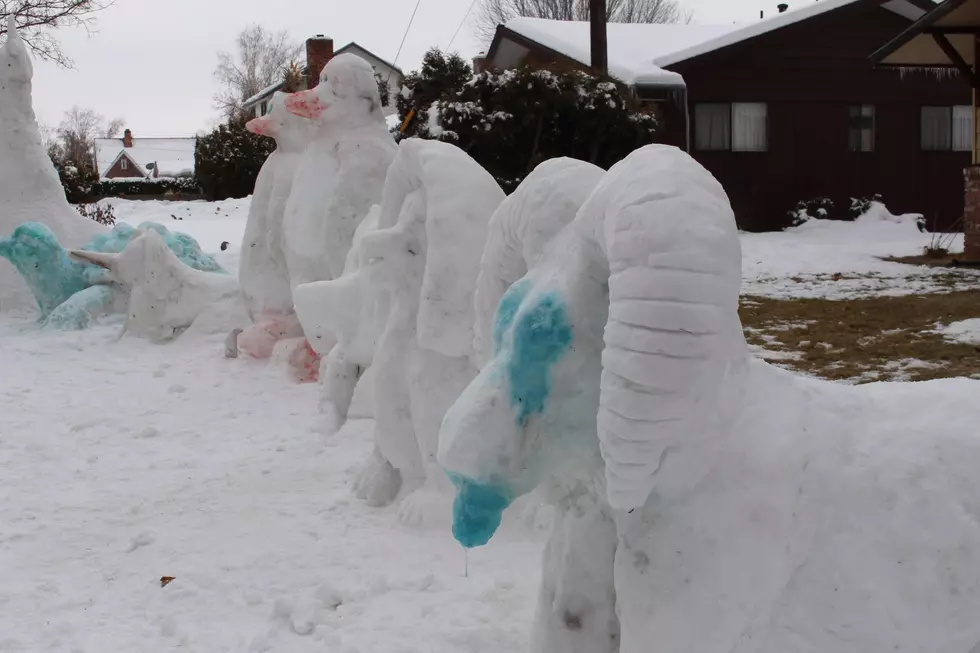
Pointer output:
x,y
597,19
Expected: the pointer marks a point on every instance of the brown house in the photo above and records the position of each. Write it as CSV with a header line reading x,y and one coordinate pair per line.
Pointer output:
x,y
788,108
144,158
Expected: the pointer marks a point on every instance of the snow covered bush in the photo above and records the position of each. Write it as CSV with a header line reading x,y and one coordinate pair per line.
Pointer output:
x,y
861,205
510,121
101,213
76,180
821,208
227,161
162,186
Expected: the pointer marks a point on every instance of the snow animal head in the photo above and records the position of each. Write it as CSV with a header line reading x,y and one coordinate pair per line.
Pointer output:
x,y
626,329
44,265
291,132
347,94
16,70
435,210
165,294
521,227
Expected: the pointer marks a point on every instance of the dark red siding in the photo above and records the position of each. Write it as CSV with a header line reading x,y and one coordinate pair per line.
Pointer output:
x,y
809,74
117,172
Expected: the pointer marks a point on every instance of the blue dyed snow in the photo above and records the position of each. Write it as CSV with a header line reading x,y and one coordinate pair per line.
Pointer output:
x,y
44,265
54,277
477,510
81,309
540,336
507,309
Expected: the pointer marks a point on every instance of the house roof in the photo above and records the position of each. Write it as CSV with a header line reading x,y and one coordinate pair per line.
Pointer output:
x,y
919,45
172,155
638,53
272,88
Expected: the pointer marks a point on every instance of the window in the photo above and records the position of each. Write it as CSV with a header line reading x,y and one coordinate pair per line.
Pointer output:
x,y
861,128
947,129
124,163
739,127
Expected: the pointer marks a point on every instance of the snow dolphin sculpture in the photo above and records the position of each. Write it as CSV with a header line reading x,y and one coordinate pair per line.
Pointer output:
x,y
434,216
165,295
706,500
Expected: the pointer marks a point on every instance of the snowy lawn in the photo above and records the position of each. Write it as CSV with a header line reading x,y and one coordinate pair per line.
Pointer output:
x,y
125,462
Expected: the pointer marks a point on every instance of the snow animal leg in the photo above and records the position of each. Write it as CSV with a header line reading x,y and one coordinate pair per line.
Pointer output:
x,y
435,382
577,602
84,307
339,377
377,482
258,340
304,363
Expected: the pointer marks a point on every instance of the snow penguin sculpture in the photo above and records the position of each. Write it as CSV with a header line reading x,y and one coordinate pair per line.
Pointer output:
x,y
433,224
342,172
30,190
707,501
262,273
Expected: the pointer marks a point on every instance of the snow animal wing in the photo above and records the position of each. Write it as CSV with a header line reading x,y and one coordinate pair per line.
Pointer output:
x,y
521,228
668,232
460,198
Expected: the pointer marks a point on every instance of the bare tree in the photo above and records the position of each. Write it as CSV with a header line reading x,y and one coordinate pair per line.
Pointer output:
x,y
77,133
36,17
260,59
491,13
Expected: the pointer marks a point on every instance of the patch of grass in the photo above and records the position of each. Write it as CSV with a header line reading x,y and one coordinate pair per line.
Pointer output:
x,y
930,260
863,340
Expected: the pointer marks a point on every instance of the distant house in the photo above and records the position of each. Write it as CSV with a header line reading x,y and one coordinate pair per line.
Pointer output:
x,y
144,158
319,50
788,108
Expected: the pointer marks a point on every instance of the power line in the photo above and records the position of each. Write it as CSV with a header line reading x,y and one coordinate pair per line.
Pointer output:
x,y
456,33
405,35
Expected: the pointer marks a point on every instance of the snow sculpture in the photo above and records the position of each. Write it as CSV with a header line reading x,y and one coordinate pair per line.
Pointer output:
x,y
164,295
262,272
71,294
350,311
30,190
433,224
521,227
341,174
706,500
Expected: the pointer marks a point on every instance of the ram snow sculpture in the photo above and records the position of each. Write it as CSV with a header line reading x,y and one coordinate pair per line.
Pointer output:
x,y
707,501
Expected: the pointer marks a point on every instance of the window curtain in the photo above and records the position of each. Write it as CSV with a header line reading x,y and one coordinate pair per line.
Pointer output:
x,y
937,128
749,127
713,126
963,128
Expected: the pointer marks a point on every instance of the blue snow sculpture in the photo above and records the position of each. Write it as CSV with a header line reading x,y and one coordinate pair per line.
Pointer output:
x,y
72,294
51,276
477,510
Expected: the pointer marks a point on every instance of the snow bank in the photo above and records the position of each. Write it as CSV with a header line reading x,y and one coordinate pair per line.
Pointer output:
x,y
30,190
964,331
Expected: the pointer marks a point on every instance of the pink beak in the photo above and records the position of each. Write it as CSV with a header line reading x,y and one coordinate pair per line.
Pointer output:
x,y
305,104
261,126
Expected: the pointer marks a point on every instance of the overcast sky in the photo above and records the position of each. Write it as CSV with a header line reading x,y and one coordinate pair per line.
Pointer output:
x,y
151,61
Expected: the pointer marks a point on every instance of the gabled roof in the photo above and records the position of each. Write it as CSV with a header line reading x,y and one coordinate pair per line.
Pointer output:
x,y
272,88
935,38
172,155
122,153
638,53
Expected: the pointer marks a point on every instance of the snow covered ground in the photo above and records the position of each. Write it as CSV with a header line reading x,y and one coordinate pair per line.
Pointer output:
x,y
124,462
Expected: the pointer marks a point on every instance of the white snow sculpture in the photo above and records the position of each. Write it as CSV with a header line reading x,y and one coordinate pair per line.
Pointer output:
x,y
351,312
433,224
30,190
341,174
165,295
520,228
707,501
262,272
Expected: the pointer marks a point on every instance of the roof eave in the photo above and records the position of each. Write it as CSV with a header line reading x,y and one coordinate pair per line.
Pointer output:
x,y
915,29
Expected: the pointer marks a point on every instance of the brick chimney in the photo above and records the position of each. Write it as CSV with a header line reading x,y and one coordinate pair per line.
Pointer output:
x,y
480,63
319,50
127,138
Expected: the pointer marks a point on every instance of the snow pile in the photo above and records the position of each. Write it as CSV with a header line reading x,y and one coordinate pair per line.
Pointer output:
x,y
965,331
705,500
30,190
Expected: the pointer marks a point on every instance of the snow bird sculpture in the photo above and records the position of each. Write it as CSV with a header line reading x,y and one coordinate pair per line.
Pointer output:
x,y
707,501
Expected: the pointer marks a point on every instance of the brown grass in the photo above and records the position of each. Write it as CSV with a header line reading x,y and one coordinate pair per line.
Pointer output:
x,y
926,260
873,339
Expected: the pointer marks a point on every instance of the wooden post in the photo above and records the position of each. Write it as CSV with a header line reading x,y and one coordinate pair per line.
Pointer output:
x,y
976,121
597,19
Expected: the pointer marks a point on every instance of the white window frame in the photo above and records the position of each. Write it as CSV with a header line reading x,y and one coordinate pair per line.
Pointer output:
x,y
124,163
739,118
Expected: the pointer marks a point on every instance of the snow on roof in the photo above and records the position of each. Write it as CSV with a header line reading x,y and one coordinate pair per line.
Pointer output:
x,y
261,95
639,52
172,155
633,48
